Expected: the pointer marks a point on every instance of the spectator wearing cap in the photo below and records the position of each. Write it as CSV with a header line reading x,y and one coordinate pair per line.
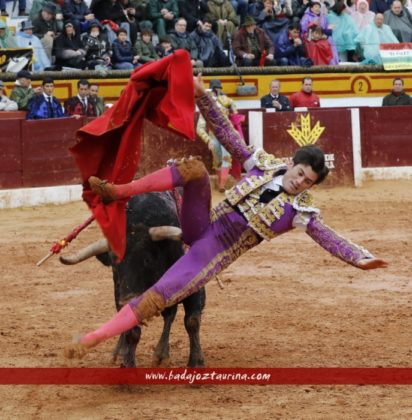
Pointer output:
x,y
69,48
6,104
7,39
123,57
80,105
26,39
22,91
181,40
38,5
164,48
144,47
22,8
252,47
45,27
45,105
97,48
77,12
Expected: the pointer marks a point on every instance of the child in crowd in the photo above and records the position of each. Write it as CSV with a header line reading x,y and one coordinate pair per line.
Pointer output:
x,y
318,49
123,57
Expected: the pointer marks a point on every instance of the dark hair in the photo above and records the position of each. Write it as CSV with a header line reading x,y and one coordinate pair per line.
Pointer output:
x,y
314,157
338,7
306,78
397,78
121,31
47,79
294,25
83,82
146,31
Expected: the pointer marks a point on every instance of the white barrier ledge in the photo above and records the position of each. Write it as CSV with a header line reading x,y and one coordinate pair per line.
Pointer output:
x,y
395,172
21,197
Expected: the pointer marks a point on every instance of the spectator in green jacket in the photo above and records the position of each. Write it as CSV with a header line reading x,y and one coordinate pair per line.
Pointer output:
x,y
144,47
7,39
163,14
22,91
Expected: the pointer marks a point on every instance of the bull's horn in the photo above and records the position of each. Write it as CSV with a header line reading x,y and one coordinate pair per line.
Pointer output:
x,y
160,233
91,250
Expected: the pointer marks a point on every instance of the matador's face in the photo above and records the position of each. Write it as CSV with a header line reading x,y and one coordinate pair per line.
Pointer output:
x,y
298,178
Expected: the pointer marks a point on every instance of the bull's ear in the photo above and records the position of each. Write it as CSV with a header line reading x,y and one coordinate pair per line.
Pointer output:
x,y
160,233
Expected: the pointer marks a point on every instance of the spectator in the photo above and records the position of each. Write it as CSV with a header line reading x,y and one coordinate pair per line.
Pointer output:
x,y
251,44
98,100
125,16
299,8
181,40
224,19
45,105
69,48
344,31
164,48
7,39
362,16
26,39
306,97
400,21
241,8
380,6
45,27
313,15
38,5
163,13
209,48
6,104
317,47
274,99
398,95
372,36
289,47
194,12
77,12
112,16
96,47
22,92
123,57
144,47
272,16
222,160
80,105
22,8
141,14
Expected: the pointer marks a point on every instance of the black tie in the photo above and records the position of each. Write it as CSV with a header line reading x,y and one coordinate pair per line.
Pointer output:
x,y
269,195
84,106
50,107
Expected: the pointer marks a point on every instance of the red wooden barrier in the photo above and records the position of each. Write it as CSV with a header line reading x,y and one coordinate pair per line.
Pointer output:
x,y
10,157
386,135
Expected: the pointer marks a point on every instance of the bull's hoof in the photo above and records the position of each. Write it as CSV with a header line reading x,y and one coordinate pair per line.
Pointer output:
x,y
102,188
75,351
160,361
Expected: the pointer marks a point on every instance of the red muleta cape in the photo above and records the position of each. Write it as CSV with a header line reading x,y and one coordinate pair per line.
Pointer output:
x,y
109,146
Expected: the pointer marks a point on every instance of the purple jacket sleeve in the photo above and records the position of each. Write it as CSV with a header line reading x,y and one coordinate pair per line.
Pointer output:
x,y
223,129
334,243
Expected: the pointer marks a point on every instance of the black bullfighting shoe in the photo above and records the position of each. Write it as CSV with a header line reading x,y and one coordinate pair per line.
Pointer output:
x,y
102,188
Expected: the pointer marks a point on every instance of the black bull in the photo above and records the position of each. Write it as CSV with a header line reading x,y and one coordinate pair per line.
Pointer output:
x,y
145,261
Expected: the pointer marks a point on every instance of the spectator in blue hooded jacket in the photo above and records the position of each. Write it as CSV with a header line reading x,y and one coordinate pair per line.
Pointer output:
x,y
289,47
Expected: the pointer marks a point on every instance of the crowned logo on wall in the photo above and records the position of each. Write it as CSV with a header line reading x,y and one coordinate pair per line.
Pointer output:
x,y
305,135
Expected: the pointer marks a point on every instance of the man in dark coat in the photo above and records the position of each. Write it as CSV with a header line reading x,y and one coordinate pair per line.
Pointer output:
x,y
45,105
80,105
398,95
274,100
252,47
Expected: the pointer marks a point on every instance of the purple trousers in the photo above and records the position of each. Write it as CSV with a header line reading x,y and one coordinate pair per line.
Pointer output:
x,y
216,239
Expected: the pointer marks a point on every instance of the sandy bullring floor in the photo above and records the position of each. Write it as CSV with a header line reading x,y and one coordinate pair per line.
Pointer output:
x,y
285,304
